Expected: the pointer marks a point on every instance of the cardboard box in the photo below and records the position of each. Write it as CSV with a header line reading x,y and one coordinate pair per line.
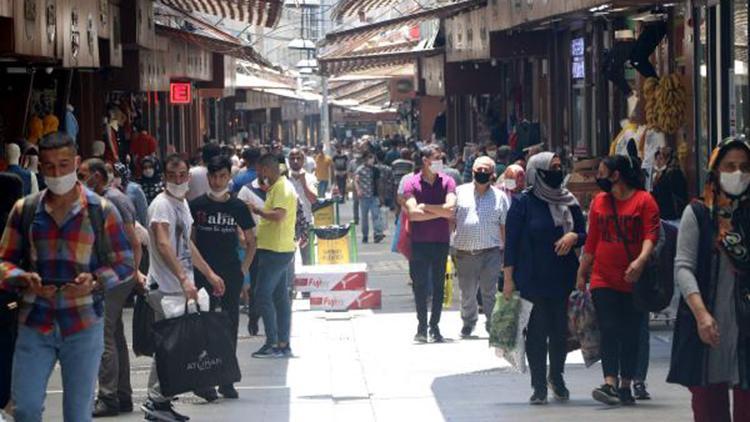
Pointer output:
x,y
345,300
313,278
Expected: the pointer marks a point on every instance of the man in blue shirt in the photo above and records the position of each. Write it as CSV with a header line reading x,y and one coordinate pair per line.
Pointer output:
x,y
250,157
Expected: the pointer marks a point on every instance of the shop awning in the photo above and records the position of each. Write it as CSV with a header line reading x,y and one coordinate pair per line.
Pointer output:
x,y
345,64
215,45
369,31
252,12
347,8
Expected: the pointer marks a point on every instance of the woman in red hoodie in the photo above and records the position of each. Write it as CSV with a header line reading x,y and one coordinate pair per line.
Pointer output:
x,y
626,204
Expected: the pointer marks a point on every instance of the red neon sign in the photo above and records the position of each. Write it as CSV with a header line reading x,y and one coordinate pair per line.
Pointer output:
x,y
180,93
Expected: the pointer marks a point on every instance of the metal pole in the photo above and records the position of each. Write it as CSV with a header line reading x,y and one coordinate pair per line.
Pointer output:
x,y
325,122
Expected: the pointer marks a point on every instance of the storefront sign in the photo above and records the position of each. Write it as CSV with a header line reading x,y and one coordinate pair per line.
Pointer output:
x,y
577,52
180,93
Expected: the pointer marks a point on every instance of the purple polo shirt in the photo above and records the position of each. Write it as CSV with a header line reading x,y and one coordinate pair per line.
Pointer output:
x,y
436,230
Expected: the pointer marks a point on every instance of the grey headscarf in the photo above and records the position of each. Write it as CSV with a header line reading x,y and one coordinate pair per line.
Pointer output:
x,y
560,200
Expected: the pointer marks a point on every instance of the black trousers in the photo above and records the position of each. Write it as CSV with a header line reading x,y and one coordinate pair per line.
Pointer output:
x,y
547,335
427,268
619,324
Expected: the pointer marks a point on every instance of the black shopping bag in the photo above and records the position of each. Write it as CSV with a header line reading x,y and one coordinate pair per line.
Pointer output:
x,y
143,327
194,351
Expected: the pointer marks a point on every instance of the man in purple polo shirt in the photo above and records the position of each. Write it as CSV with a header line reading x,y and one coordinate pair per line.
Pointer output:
x,y
430,199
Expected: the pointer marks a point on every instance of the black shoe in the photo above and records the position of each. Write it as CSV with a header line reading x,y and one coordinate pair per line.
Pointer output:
x,y
539,397
626,396
285,352
252,327
559,390
267,352
640,392
102,409
421,336
126,406
379,238
606,394
364,240
162,412
209,394
466,331
229,392
435,335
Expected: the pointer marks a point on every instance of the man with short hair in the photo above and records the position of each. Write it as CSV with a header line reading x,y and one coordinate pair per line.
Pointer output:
x,y
323,170
366,188
430,200
340,164
478,240
115,393
62,249
217,216
247,174
306,185
198,184
276,246
172,257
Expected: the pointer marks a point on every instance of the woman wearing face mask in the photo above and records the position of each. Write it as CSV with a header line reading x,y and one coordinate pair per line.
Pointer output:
x,y
544,226
711,345
513,180
151,181
622,209
669,185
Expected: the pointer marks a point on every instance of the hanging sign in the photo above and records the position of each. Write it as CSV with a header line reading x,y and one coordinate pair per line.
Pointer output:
x,y
180,93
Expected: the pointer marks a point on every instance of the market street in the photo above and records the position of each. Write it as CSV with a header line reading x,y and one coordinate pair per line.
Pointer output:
x,y
363,366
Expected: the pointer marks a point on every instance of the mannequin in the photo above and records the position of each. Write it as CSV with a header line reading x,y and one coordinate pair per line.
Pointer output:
x,y
631,129
71,123
97,149
13,155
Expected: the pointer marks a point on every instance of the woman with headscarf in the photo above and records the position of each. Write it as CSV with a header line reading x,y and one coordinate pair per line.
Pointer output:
x,y
512,181
669,185
544,226
151,180
623,230
711,345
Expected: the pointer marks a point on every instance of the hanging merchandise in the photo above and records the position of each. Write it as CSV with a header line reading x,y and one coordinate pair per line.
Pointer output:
x,y
50,124
71,123
35,130
666,103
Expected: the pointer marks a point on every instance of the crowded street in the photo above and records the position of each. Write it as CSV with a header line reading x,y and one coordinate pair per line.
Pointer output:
x,y
363,366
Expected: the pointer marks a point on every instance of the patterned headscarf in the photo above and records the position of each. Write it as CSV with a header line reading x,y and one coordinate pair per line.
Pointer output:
x,y
560,200
513,172
124,172
731,215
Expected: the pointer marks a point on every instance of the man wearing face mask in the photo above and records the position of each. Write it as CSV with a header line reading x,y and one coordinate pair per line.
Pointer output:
x,y
478,240
217,215
430,199
365,184
115,392
172,257
63,249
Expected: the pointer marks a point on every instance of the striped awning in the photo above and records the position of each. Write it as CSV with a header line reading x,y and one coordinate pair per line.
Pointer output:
x,y
348,8
355,63
215,45
253,12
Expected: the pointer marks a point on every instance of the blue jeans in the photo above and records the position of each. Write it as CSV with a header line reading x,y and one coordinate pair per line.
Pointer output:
x,y
322,188
272,294
79,355
372,205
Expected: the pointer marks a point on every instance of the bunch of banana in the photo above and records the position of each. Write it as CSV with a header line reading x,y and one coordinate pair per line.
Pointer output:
x,y
671,104
650,88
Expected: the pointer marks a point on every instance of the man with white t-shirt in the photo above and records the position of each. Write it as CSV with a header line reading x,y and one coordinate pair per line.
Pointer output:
x,y
198,183
172,259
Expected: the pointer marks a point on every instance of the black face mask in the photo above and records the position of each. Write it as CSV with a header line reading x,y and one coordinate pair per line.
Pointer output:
x,y
604,184
482,178
552,178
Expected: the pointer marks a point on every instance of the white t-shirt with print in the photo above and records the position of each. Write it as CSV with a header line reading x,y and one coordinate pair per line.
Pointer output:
x,y
176,213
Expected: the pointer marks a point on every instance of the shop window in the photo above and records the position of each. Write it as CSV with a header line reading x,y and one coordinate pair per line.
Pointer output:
x,y
739,118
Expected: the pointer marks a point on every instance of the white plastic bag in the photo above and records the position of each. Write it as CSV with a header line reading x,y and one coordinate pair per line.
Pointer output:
x,y
174,306
517,355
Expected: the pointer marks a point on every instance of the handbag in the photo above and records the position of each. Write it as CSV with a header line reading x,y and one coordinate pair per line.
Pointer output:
x,y
652,292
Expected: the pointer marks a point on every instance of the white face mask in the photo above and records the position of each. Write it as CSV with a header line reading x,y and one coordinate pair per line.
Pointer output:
x,y
436,166
734,183
492,153
218,194
148,173
178,191
63,184
510,184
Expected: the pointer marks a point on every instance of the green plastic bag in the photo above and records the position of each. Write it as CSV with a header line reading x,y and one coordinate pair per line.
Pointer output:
x,y
504,324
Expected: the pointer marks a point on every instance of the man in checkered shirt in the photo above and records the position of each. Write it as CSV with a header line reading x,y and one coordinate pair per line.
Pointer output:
x,y
478,240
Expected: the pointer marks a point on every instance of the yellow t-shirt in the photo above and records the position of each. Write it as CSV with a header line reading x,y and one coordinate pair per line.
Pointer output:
x,y
323,167
278,236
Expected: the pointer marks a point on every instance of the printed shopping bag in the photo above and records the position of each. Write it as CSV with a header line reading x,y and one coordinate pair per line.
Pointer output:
x,y
513,319
583,326
194,351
